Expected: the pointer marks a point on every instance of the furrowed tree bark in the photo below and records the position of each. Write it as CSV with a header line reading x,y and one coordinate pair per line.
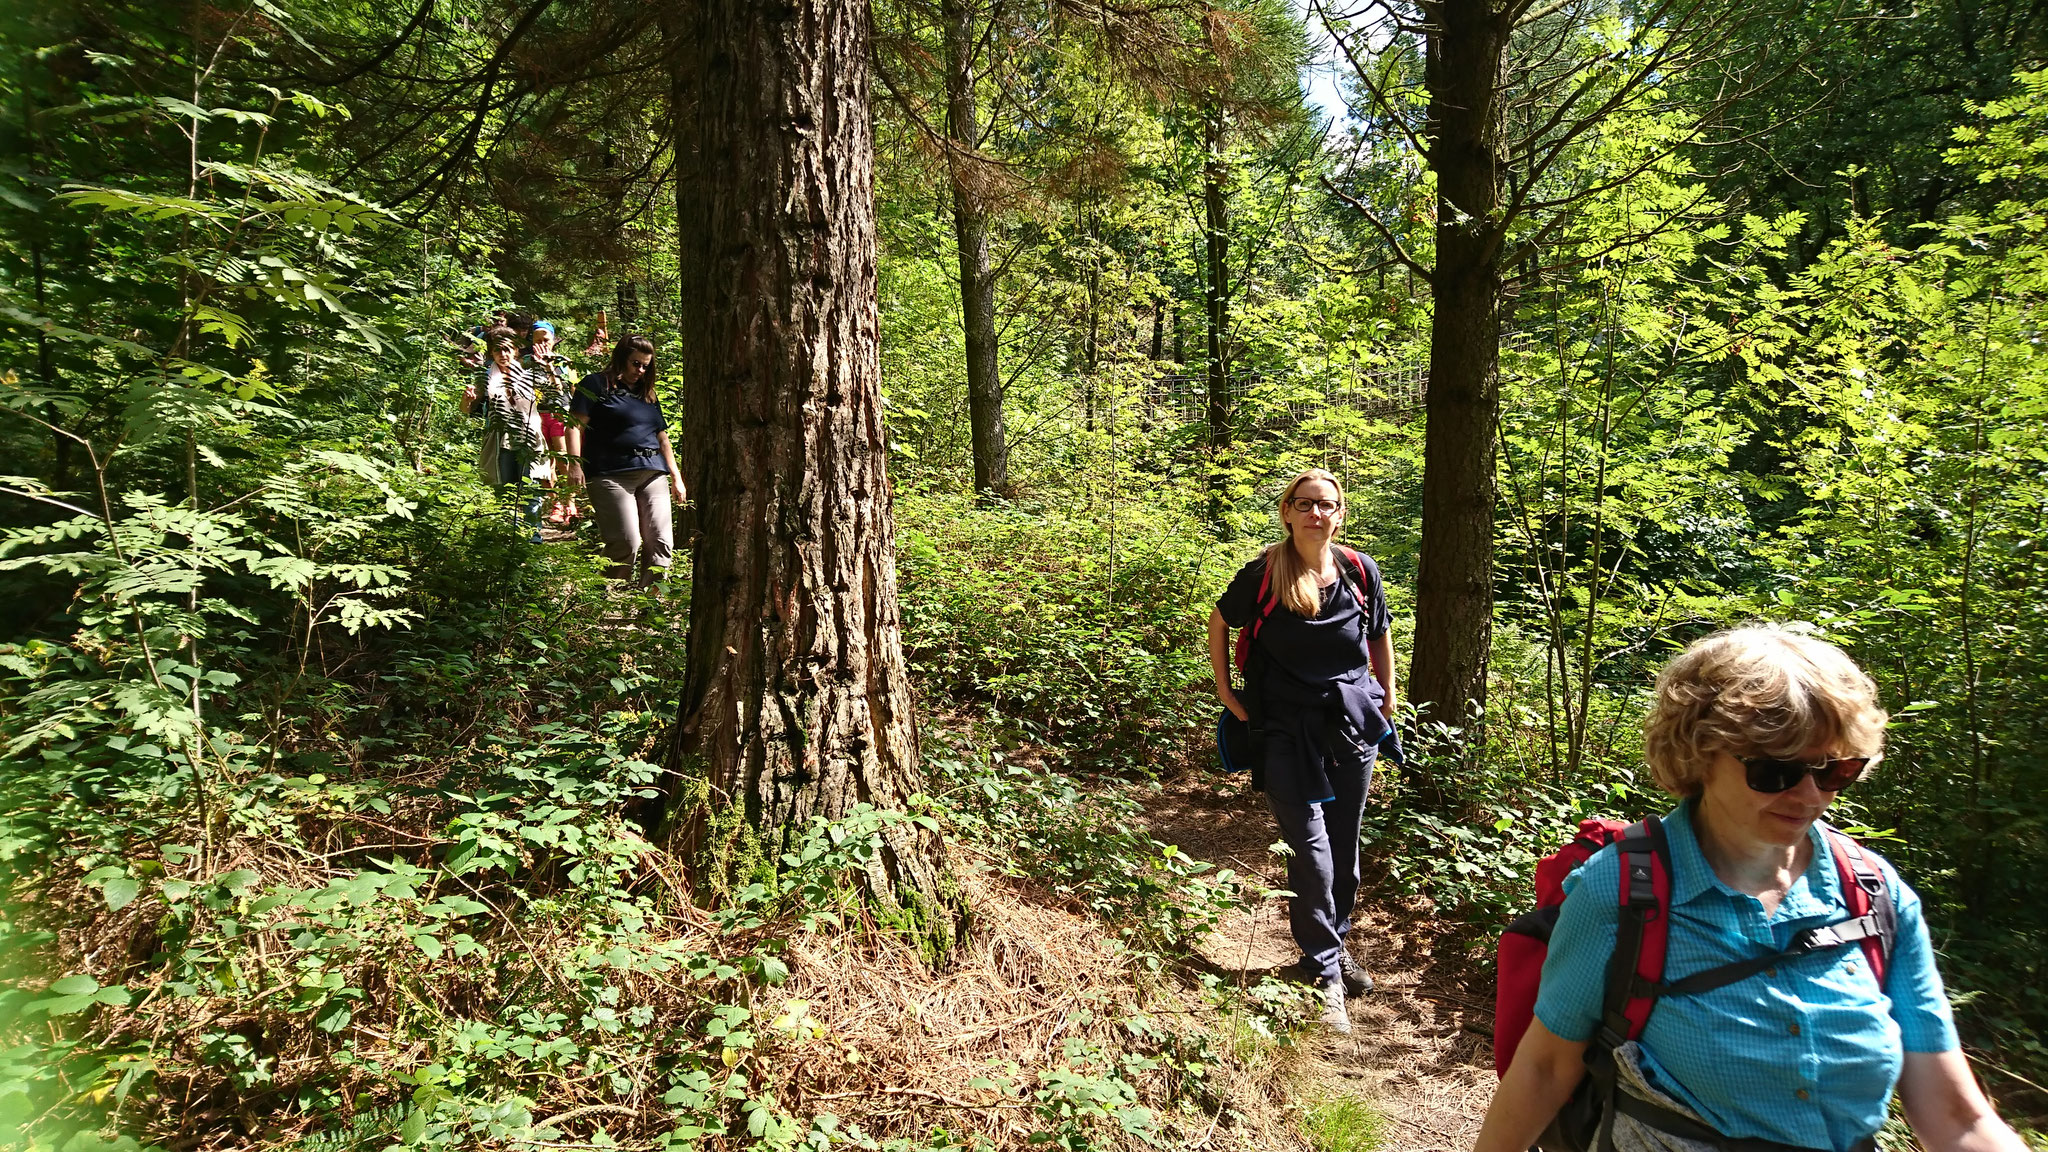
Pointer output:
x,y
977,283
1467,71
796,702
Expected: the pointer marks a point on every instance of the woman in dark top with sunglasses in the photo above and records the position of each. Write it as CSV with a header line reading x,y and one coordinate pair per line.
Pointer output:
x,y
1320,695
1757,730
618,440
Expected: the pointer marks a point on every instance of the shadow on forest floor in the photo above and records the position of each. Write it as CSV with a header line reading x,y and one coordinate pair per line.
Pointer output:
x,y
1421,1045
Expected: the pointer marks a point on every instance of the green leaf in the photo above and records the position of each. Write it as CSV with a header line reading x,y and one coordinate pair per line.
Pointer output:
x,y
121,892
182,108
415,1127
239,879
429,945
334,1017
75,986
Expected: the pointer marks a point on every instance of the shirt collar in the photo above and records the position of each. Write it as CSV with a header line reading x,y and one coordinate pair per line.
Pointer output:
x,y
1691,875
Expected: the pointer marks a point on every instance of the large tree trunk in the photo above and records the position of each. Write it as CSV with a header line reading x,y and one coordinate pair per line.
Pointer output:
x,y
1216,287
1467,60
977,283
796,703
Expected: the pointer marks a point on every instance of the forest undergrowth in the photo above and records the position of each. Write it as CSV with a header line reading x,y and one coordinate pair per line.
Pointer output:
x,y
411,913
416,915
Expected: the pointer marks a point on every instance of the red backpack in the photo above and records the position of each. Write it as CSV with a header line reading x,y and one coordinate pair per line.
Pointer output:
x,y
1643,933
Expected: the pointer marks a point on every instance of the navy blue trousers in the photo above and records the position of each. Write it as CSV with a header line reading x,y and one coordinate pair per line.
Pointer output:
x,y
1322,870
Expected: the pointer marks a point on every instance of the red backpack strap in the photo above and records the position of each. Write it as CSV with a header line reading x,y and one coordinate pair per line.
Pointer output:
x,y
1249,632
1364,584
1636,968
1865,891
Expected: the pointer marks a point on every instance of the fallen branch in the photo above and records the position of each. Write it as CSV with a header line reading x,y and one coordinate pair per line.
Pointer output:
x,y
939,1096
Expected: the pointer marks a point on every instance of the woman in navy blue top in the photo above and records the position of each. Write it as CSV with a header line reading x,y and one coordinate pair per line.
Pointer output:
x,y
1757,730
618,438
1319,695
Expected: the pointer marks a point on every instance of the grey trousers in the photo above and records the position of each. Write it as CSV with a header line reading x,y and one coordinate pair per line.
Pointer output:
x,y
633,518
1322,872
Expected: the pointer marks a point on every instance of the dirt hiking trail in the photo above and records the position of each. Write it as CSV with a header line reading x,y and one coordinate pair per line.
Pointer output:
x,y
1420,1050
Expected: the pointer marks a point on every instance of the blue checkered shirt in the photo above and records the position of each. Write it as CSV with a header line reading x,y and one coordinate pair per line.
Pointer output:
x,y
1806,1053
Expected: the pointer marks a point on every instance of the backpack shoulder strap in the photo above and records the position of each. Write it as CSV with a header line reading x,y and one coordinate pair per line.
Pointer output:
x,y
1872,925
1354,572
1865,891
1636,968
1267,601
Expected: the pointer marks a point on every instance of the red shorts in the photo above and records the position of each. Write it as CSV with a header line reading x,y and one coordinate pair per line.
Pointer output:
x,y
552,428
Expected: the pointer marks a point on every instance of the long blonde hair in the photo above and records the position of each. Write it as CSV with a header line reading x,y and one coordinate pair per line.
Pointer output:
x,y
1287,575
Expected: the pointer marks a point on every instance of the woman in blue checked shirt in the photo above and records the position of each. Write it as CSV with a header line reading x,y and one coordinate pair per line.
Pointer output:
x,y
1756,730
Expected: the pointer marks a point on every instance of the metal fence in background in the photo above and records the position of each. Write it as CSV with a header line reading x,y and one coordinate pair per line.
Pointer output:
x,y
1381,394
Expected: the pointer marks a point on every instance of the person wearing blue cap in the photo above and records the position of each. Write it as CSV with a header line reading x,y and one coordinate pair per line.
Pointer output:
x,y
551,379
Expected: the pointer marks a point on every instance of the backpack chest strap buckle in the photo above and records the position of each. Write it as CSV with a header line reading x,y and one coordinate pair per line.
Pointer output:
x,y
1831,935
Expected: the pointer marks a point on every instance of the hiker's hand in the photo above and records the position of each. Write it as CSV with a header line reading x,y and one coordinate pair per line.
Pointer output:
x,y
1236,707
576,473
675,486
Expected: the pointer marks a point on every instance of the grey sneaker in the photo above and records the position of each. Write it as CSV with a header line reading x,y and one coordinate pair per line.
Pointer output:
x,y
1333,1013
1357,981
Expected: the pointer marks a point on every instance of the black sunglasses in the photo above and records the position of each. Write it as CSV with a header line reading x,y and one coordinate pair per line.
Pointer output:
x,y
1768,775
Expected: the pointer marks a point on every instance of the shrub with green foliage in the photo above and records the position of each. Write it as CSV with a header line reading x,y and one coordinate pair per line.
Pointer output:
x,y
1083,634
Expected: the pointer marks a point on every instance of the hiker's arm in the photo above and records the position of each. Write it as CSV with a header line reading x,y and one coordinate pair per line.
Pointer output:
x,y
1381,649
1541,1079
575,450
1948,1110
675,474
1219,664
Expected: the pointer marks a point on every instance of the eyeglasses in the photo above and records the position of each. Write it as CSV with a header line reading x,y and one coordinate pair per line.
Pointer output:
x,y
1768,775
1304,504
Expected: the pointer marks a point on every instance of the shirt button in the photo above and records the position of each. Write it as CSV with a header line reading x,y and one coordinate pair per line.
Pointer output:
x,y
1794,1029
1770,971
1801,1094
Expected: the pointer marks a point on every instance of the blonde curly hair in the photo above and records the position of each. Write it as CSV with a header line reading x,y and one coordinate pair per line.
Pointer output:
x,y
1757,691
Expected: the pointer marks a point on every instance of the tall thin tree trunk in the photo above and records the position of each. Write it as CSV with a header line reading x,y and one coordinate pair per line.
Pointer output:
x,y
1216,287
1466,66
796,703
1091,343
977,282
60,472
626,304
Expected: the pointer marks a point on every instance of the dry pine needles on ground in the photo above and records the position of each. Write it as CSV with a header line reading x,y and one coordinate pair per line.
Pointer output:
x,y
291,991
